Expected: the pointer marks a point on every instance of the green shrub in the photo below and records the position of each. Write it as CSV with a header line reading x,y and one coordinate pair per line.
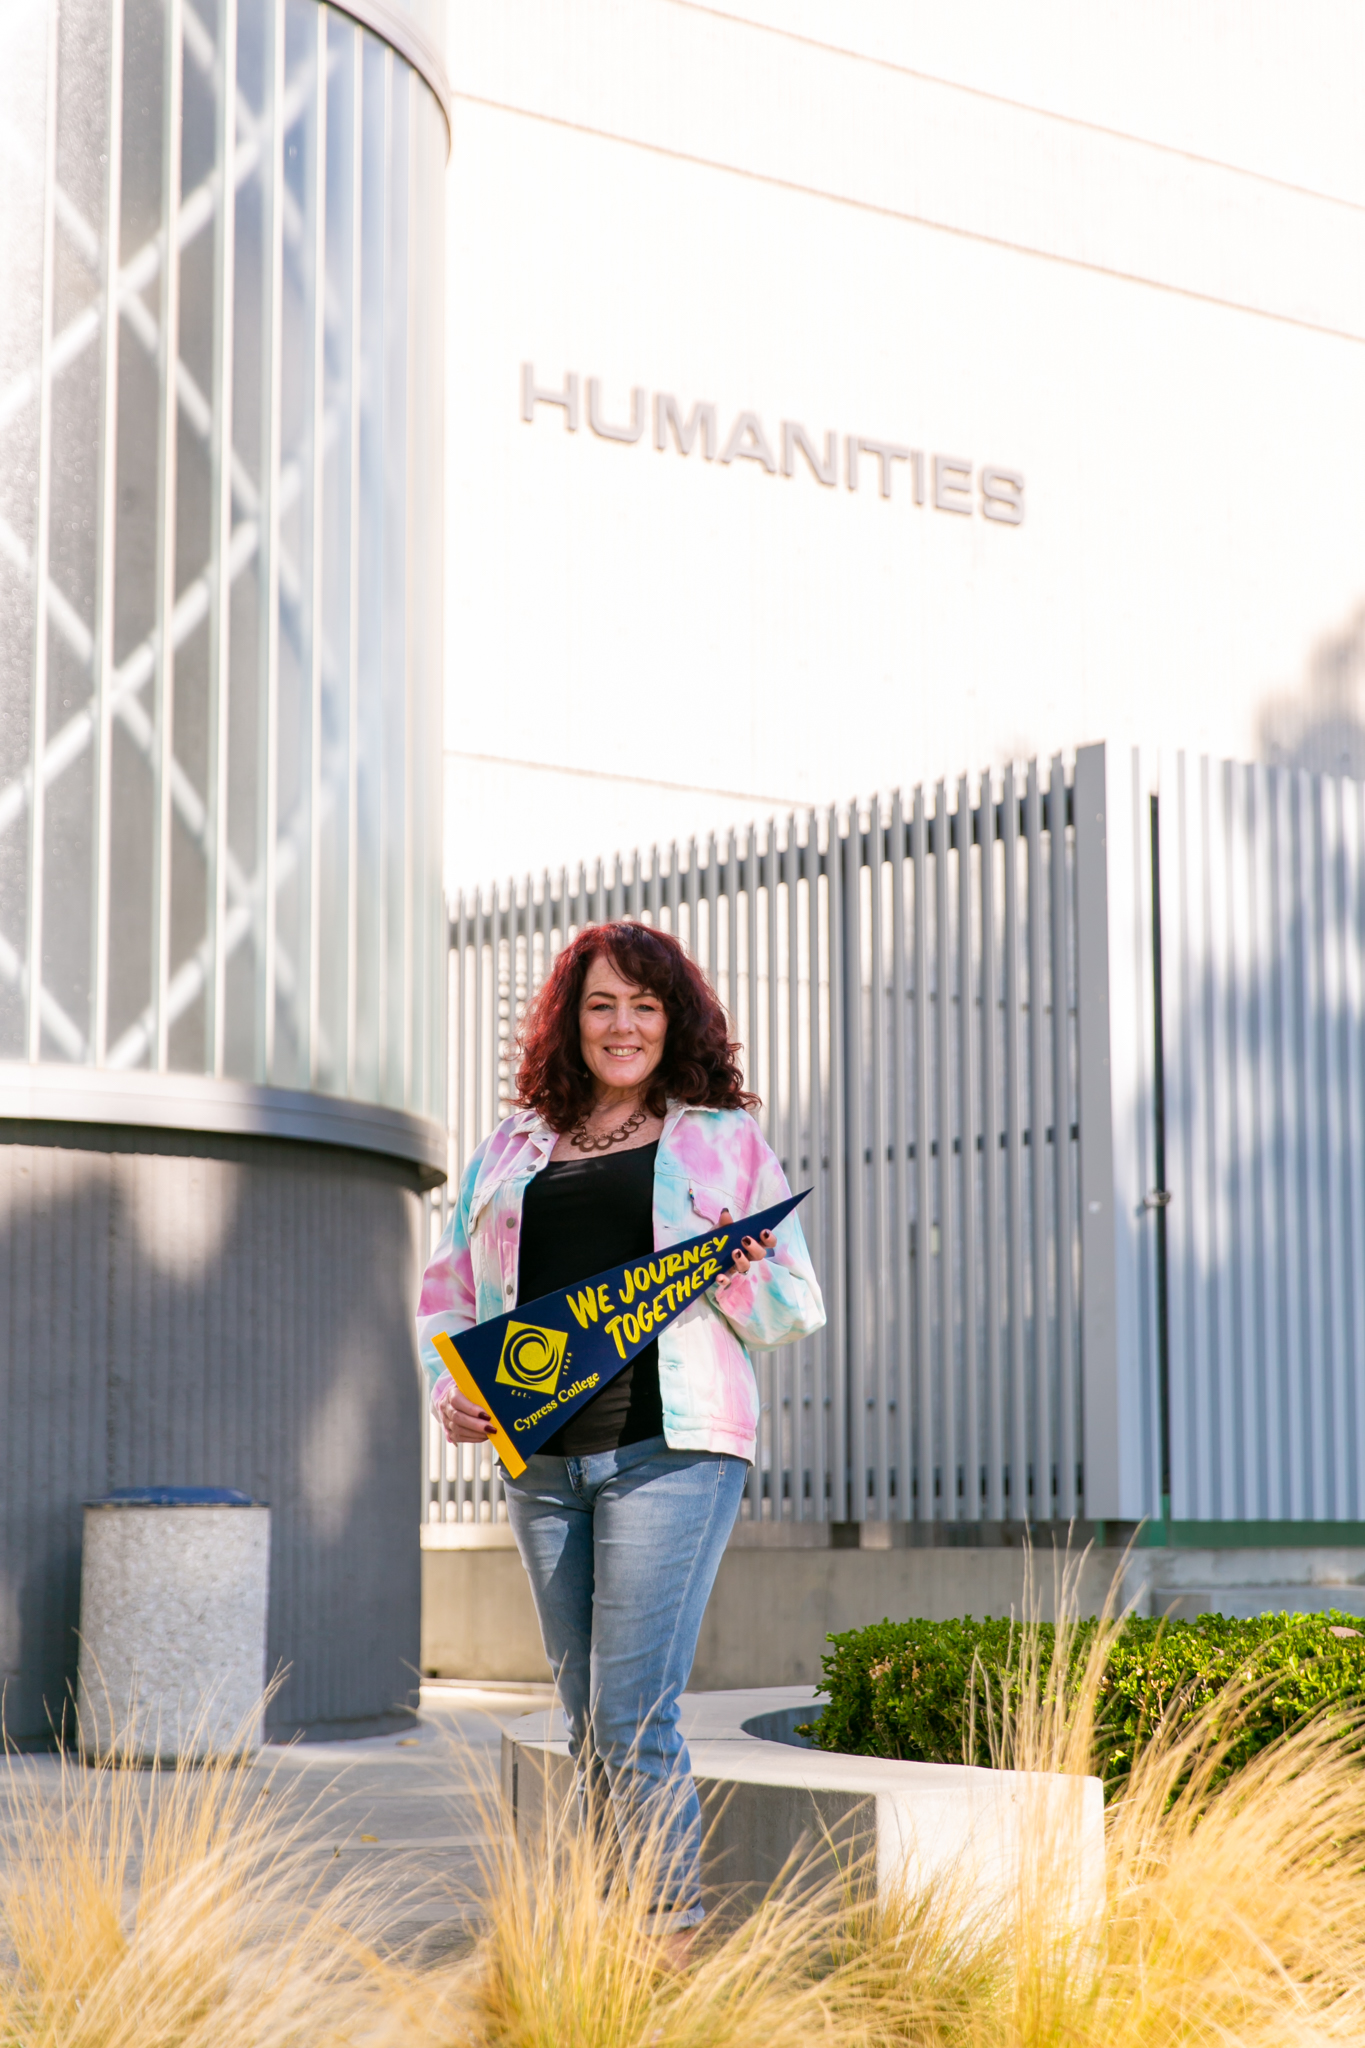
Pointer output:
x,y
902,1689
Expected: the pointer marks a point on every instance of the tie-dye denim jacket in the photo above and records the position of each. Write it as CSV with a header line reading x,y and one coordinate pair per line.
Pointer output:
x,y
708,1160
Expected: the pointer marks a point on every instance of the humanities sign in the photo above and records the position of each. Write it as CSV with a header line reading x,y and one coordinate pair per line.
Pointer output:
x,y
948,479
534,1367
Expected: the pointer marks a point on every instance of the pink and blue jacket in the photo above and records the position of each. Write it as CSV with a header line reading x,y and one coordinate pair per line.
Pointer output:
x,y
708,1160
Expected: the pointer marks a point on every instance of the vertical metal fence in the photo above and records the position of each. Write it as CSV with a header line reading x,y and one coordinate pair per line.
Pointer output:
x,y
901,975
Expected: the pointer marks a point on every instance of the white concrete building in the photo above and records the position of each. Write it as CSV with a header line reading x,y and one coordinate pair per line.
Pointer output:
x,y
1115,252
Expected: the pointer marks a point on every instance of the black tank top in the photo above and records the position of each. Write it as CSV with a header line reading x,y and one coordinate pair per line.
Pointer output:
x,y
580,1216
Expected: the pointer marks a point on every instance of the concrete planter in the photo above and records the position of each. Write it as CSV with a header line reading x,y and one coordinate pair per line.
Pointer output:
x,y
174,1585
768,1798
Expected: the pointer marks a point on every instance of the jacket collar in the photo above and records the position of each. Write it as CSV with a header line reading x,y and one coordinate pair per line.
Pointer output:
x,y
530,1124
527,1120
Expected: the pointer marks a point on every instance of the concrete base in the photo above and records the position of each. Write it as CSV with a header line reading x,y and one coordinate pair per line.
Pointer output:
x,y
179,1309
1242,1583
173,1630
771,1807
782,1589
478,1617
771,1608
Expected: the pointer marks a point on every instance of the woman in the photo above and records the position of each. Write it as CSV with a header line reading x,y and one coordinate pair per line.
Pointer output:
x,y
634,1134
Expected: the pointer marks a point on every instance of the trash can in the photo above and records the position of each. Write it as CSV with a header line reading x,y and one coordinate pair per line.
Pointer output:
x,y
174,1588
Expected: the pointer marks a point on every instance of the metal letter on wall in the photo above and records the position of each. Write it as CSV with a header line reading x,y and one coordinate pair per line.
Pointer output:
x,y
604,428
748,440
668,413
532,396
886,453
952,484
1002,496
794,436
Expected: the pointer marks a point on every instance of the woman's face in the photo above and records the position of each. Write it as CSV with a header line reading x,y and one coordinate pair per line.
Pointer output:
x,y
621,1028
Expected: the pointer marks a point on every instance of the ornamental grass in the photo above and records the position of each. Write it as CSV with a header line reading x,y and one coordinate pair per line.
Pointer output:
x,y
180,1908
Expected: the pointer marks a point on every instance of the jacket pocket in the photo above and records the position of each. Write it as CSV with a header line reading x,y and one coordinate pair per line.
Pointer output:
x,y
708,1202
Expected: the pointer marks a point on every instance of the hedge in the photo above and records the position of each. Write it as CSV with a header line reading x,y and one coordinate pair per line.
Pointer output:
x,y
901,1689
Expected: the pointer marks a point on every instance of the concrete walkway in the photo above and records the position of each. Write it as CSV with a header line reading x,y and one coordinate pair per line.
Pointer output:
x,y
414,1810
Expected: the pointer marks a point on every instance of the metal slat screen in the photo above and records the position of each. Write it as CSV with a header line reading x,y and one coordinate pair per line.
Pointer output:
x,y
1262,877
901,976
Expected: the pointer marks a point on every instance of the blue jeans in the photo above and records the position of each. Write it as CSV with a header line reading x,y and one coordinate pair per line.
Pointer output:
x,y
622,1550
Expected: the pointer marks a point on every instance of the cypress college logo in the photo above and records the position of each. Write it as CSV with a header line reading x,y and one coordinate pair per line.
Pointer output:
x,y
532,1358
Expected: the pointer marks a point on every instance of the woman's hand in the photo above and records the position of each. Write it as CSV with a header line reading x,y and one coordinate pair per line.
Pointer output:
x,y
750,1252
462,1421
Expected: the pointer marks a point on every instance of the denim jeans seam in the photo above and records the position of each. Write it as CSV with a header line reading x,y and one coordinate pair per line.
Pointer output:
x,y
581,1497
681,1608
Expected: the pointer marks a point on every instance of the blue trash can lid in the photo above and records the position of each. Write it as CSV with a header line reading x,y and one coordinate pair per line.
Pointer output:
x,y
174,1497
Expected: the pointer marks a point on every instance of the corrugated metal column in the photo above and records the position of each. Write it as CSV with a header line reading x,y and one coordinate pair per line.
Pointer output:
x,y
802,1418
1352,1153
765,1475
1116,1111
1181,983
880,1391
993,1501
1019,1506
1040,1497
837,1306
970,1497
902,1263
944,1493
923,1238
823,1173
1275,1392
1064,1235
850,973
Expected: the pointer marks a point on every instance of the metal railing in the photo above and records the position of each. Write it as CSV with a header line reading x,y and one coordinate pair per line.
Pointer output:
x,y
901,975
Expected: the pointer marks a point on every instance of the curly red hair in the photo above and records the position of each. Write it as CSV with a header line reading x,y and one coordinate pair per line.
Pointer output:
x,y
700,1063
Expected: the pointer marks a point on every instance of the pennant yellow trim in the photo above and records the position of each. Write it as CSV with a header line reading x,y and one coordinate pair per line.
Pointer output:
x,y
469,1387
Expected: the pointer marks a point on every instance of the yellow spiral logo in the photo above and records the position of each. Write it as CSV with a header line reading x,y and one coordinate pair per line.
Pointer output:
x,y
532,1358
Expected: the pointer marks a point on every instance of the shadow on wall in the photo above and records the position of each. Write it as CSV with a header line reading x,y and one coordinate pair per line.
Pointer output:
x,y
239,1319
1264,1044
1321,725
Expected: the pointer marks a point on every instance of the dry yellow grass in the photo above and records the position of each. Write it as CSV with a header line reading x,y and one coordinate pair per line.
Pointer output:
x,y
148,1907
141,1911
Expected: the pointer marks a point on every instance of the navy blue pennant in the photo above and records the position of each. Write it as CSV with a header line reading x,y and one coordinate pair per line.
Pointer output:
x,y
534,1367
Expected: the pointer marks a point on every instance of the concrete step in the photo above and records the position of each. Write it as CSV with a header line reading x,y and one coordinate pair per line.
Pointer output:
x,y
1244,1602
768,1803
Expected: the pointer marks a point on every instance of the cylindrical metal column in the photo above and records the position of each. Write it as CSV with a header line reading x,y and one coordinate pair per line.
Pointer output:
x,y
222,935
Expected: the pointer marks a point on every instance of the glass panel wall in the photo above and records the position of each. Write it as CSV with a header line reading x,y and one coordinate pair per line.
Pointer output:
x,y
220,551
